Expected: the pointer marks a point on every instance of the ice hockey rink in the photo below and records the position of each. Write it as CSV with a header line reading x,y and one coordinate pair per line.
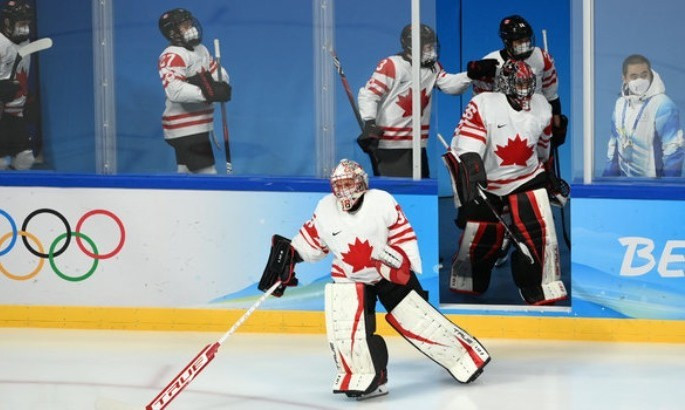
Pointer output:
x,y
93,369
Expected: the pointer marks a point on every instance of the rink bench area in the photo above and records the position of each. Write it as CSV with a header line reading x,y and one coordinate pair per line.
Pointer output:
x,y
148,201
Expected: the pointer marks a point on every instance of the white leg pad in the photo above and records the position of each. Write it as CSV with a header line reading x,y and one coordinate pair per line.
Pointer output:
x,y
347,337
438,338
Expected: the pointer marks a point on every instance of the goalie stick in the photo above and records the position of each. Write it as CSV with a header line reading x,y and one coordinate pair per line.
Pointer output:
x,y
199,362
355,109
30,48
224,124
519,245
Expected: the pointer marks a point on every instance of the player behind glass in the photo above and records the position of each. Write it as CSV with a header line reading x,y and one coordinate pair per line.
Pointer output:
x,y
503,144
191,83
375,257
385,103
15,141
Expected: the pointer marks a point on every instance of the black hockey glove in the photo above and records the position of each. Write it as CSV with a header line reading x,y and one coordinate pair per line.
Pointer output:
x,y
213,91
471,176
8,90
368,140
558,190
280,266
482,69
559,133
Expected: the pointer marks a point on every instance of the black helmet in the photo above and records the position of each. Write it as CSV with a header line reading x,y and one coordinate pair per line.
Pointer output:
x,y
514,28
13,12
428,36
169,25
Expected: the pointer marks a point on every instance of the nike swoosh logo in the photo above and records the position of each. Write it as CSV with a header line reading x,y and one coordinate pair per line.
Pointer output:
x,y
335,233
501,125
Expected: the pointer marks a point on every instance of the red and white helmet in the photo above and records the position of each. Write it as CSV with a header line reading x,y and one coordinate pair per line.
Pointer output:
x,y
517,80
349,181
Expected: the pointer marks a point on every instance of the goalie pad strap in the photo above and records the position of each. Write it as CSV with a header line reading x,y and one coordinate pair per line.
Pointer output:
x,y
361,358
438,338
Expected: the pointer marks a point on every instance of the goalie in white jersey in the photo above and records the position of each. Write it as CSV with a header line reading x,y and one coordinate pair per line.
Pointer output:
x,y
375,256
191,83
503,145
15,141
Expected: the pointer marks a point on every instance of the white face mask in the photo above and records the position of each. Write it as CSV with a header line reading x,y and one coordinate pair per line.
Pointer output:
x,y
638,86
191,34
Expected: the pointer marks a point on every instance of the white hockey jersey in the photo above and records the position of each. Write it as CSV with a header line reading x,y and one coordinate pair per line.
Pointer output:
x,y
513,144
353,238
542,65
387,98
187,111
8,53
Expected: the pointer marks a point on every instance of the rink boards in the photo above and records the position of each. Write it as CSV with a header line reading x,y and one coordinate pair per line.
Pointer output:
x,y
189,258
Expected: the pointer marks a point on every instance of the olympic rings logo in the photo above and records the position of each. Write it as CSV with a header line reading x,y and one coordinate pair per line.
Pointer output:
x,y
38,249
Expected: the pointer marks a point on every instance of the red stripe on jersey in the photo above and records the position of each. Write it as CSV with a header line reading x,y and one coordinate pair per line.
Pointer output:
x,y
387,68
375,91
190,114
471,135
400,234
407,239
380,84
187,124
506,181
423,127
311,235
547,60
542,143
337,272
402,137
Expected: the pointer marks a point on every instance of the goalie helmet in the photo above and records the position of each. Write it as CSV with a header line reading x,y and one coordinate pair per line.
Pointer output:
x,y
430,47
349,181
181,28
16,17
517,36
517,80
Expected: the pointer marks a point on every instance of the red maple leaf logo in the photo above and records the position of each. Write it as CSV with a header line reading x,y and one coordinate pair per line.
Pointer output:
x,y
516,152
404,101
23,80
358,255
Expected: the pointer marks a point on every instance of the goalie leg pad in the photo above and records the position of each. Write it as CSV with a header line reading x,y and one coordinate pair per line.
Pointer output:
x,y
438,338
472,265
539,283
360,356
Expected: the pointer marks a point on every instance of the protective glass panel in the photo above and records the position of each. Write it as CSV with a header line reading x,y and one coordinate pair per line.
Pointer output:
x,y
266,48
54,106
638,91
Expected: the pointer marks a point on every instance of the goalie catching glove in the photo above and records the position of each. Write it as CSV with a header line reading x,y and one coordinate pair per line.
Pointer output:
x,y
213,91
280,266
392,264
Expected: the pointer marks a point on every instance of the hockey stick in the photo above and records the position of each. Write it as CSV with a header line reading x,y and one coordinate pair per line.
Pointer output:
x,y
353,104
202,359
224,124
557,166
519,245
30,48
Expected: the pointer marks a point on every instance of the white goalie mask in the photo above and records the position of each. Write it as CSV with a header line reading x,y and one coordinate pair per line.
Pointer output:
x,y
349,181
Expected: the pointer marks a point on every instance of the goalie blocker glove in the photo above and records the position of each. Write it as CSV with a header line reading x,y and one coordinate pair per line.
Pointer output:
x,y
392,264
213,91
471,176
8,90
280,266
559,133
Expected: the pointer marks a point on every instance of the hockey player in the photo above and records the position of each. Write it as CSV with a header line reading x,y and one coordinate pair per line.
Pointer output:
x,y
519,44
646,138
375,256
15,141
191,84
502,144
385,104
